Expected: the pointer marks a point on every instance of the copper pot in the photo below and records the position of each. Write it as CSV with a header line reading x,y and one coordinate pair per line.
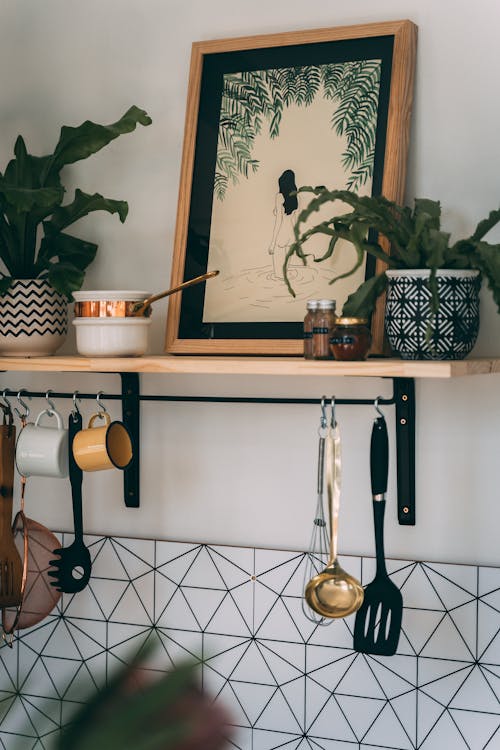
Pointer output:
x,y
123,304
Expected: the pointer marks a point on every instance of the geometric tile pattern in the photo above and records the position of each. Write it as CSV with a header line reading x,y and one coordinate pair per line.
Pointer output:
x,y
287,682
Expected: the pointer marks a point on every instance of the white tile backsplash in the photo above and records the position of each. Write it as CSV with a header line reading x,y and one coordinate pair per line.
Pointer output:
x,y
286,681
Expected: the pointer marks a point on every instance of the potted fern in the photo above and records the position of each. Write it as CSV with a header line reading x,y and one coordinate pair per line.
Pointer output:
x,y
432,305
41,263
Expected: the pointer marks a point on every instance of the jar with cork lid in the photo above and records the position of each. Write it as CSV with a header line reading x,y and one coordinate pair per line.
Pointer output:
x,y
312,306
323,325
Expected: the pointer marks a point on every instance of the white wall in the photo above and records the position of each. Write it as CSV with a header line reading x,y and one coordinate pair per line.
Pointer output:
x,y
246,474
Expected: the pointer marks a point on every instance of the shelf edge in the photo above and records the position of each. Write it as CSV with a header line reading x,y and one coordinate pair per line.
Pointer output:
x,y
259,366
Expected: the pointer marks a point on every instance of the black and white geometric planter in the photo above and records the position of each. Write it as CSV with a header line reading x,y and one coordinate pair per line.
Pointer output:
x,y
33,319
408,315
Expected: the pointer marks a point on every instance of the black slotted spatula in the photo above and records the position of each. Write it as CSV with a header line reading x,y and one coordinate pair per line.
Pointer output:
x,y
73,566
378,621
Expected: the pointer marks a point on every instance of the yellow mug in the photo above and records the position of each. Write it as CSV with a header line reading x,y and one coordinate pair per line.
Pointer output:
x,y
107,447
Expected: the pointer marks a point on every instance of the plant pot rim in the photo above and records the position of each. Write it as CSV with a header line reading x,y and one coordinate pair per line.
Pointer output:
x,y
423,273
38,281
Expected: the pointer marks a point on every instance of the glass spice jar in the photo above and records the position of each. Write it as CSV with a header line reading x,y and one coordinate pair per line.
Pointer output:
x,y
323,324
312,306
351,339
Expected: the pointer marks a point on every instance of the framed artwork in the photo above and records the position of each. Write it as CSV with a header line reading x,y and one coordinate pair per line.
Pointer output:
x,y
266,115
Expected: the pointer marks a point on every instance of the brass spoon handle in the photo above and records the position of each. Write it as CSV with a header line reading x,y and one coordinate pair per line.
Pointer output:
x,y
333,481
141,306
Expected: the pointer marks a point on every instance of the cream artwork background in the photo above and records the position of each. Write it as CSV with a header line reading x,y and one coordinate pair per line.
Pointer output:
x,y
247,243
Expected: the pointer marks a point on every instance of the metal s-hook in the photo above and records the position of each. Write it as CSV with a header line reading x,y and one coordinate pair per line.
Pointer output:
x,y
24,406
76,398
101,409
51,405
8,417
377,407
333,421
5,403
323,422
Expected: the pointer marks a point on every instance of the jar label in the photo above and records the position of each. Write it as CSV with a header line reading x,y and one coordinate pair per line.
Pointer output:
x,y
322,330
342,340
308,334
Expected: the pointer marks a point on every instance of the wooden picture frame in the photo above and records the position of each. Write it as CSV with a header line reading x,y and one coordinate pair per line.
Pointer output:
x,y
246,95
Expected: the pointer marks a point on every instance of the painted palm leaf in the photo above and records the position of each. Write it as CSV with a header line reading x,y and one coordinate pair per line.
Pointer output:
x,y
253,99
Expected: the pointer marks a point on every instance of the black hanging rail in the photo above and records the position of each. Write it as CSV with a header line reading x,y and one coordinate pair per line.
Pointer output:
x,y
25,393
403,399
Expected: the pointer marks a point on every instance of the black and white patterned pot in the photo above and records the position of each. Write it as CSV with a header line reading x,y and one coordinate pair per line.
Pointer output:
x,y
407,314
33,319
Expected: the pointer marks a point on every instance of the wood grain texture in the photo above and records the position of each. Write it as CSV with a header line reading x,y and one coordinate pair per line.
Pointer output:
x,y
396,149
186,178
254,366
303,36
397,141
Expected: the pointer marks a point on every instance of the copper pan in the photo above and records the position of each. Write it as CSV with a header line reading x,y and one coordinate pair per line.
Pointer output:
x,y
122,308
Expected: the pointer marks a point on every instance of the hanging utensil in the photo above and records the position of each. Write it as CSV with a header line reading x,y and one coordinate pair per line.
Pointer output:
x,y
35,544
73,566
317,555
378,621
11,566
333,593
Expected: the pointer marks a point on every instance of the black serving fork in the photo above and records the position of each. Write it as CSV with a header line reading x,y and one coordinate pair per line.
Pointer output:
x,y
378,621
73,566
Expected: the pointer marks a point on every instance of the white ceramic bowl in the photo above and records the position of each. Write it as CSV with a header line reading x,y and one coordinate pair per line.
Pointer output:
x,y
111,337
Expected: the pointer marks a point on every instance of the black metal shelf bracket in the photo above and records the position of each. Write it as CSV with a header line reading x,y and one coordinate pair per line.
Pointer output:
x,y
131,420
403,399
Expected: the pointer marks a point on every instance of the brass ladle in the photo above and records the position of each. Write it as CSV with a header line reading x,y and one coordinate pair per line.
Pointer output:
x,y
139,309
334,593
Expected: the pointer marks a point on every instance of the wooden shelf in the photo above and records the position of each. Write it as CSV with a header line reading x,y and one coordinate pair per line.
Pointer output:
x,y
230,365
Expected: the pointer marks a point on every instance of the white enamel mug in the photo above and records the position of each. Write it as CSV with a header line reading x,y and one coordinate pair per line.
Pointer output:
x,y
42,450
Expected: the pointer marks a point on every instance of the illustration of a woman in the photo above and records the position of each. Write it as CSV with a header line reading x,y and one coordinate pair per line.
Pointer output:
x,y
285,215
